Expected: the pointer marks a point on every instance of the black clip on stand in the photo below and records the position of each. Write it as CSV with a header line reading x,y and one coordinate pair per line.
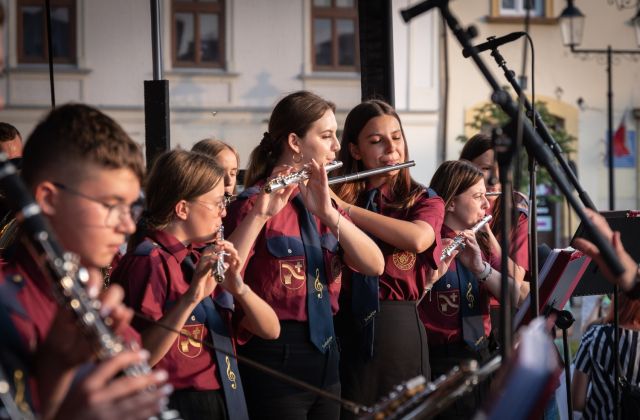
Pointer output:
x,y
531,140
564,321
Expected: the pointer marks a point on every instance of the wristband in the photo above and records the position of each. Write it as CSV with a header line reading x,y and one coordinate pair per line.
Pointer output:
x,y
486,272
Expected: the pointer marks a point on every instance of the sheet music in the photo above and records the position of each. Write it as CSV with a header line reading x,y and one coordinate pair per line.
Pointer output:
x,y
566,280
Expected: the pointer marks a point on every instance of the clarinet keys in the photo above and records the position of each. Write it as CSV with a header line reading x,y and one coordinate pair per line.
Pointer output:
x,y
218,268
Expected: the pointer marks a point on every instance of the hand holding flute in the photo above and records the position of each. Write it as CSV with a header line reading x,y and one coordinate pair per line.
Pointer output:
x,y
459,240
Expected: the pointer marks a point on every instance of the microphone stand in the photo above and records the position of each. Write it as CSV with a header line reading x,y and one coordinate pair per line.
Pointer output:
x,y
504,147
543,131
533,202
531,140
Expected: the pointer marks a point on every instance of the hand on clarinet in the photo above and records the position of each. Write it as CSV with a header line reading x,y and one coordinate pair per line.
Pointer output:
x,y
105,395
233,282
626,280
65,341
204,282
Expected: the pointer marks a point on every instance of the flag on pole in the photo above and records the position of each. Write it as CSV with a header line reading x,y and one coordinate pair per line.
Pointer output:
x,y
620,147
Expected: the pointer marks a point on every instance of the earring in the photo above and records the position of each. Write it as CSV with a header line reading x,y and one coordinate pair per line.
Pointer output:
x,y
298,160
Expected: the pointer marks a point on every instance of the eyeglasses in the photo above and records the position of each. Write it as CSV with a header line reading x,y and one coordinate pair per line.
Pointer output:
x,y
221,205
116,213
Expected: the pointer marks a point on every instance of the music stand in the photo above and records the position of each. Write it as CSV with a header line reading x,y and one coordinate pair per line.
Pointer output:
x,y
559,276
525,385
628,224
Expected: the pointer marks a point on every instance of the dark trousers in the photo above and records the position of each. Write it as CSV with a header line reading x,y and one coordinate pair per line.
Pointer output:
x,y
443,359
198,405
400,353
291,354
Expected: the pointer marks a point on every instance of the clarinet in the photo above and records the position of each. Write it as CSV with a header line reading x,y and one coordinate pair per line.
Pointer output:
x,y
417,398
69,277
284,181
11,409
458,241
219,269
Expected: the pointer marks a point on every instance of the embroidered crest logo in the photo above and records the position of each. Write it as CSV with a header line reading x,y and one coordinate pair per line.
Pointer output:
x,y
292,273
404,260
336,269
190,344
448,302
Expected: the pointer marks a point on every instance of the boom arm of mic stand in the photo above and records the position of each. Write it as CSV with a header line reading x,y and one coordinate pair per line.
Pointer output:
x,y
533,142
543,131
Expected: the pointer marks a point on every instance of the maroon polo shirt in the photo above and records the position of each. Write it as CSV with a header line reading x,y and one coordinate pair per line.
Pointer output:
x,y
440,309
518,241
406,273
519,244
276,264
153,282
32,306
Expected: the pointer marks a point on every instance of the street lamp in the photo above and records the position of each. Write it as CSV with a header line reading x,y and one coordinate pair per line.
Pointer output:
x,y
572,25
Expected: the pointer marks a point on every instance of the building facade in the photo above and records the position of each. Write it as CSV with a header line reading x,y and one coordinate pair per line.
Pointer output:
x,y
227,62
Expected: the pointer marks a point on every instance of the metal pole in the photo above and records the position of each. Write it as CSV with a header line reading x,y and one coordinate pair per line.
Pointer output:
x,y
50,53
567,371
612,198
156,45
616,347
533,238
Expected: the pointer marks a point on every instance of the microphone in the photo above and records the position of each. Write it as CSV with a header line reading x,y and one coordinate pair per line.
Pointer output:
x,y
494,42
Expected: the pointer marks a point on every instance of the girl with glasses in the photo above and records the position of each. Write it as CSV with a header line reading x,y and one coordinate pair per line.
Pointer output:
x,y
168,280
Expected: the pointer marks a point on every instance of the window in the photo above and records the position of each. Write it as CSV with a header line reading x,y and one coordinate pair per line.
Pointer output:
x,y
517,7
32,31
198,33
334,35
514,10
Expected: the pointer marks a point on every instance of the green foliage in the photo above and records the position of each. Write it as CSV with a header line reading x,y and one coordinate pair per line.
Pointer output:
x,y
489,115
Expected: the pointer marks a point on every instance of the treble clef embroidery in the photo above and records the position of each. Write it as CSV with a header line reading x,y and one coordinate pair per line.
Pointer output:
x,y
230,374
469,294
318,285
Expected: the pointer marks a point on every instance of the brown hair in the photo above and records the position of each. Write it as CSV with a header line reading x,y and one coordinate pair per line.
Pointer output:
x,y
212,147
404,188
76,133
453,178
473,148
476,146
176,175
295,113
8,132
628,310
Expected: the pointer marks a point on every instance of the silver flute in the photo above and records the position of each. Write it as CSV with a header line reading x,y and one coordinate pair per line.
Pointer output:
x,y
359,175
219,268
458,241
284,181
